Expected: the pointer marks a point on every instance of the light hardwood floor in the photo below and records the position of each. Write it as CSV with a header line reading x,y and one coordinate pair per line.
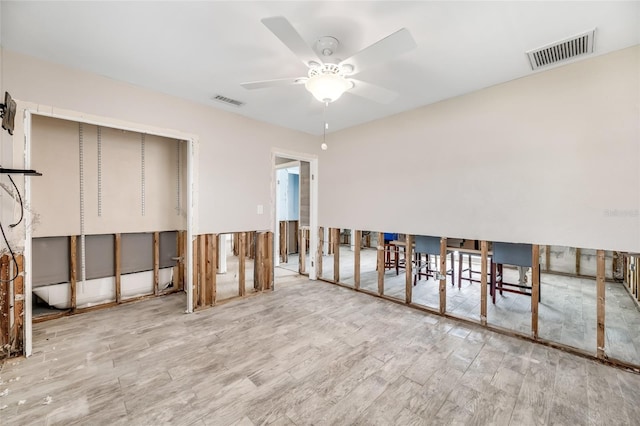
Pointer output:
x,y
567,309
307,353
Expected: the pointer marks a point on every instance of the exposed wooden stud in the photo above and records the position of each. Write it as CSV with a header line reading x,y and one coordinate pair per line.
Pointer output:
x,y
330,244
319,255
18,306
578,255
195,271
210,269
4,302
284,239
302,251
547,258
484,255
241,264
380,262
408,255
637,280
336,255
250,253
356,259
73,270
259,265
184,259
535,288
156,262
269,262
178,268
117,260
213,247
264,261
202,266
443,275
600,297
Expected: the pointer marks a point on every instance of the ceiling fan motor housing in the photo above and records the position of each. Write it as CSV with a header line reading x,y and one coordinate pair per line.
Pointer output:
x,y
327,45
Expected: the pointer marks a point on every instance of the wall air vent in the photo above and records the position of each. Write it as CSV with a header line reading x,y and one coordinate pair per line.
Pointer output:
x,y
561,51
228,101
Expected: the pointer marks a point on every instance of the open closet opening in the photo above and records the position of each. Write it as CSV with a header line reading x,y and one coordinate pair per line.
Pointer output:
x,y
108,221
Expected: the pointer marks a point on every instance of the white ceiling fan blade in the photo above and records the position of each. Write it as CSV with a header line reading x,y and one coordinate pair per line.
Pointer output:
x,y
382,51
273,83
372,92
282,28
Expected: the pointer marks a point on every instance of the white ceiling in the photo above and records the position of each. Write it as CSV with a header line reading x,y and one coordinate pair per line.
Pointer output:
x,y
195,50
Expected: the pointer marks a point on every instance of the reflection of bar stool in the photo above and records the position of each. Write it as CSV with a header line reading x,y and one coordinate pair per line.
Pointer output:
x,y
428,246
392,258
470,277
511,254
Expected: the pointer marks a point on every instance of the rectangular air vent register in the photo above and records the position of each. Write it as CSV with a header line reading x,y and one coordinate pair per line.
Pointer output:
x,y
562,51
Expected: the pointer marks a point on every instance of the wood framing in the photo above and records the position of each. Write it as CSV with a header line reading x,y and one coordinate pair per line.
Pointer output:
x,y
195,270
380,263
330,245
320,252
211,247
443,275
202,270
269,262
535,288
578,256
600,297
117,260
241,264
179,282
356,259
484,254
302,251
5,303
283,239
156,263
18,307
408,267
336,254
73,270
547,258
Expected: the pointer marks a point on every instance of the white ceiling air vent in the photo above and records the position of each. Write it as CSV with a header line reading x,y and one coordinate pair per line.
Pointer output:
x,y
579,45
225,100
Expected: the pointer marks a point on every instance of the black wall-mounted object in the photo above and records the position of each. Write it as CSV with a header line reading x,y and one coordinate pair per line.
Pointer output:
x,y
29,172
8,113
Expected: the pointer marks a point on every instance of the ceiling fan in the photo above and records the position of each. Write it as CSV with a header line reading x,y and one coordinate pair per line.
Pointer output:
x,y
328,78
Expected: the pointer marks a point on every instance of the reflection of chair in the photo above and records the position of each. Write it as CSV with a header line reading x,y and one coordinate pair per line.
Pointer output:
x,y
392,258
474,276
428,246
510,254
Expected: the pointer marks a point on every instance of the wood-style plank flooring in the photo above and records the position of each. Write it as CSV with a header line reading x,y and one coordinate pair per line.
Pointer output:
x,y
307,353
567,309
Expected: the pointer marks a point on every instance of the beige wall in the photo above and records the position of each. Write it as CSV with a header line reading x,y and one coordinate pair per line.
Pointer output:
x,y
550,159
553,158
234,153
56,195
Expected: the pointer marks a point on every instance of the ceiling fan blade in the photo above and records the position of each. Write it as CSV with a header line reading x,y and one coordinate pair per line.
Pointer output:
x,y
372,92
282,28
273,83
382,51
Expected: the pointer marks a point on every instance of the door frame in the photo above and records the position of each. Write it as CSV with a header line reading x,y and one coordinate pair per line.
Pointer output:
x,y
313,200
192,145
276,231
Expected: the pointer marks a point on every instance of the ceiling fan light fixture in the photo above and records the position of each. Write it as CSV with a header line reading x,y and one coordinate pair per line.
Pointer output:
x,y
327,87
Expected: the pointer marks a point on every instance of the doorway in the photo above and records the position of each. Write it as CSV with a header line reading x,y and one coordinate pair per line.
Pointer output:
x,y
295,210
160,163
